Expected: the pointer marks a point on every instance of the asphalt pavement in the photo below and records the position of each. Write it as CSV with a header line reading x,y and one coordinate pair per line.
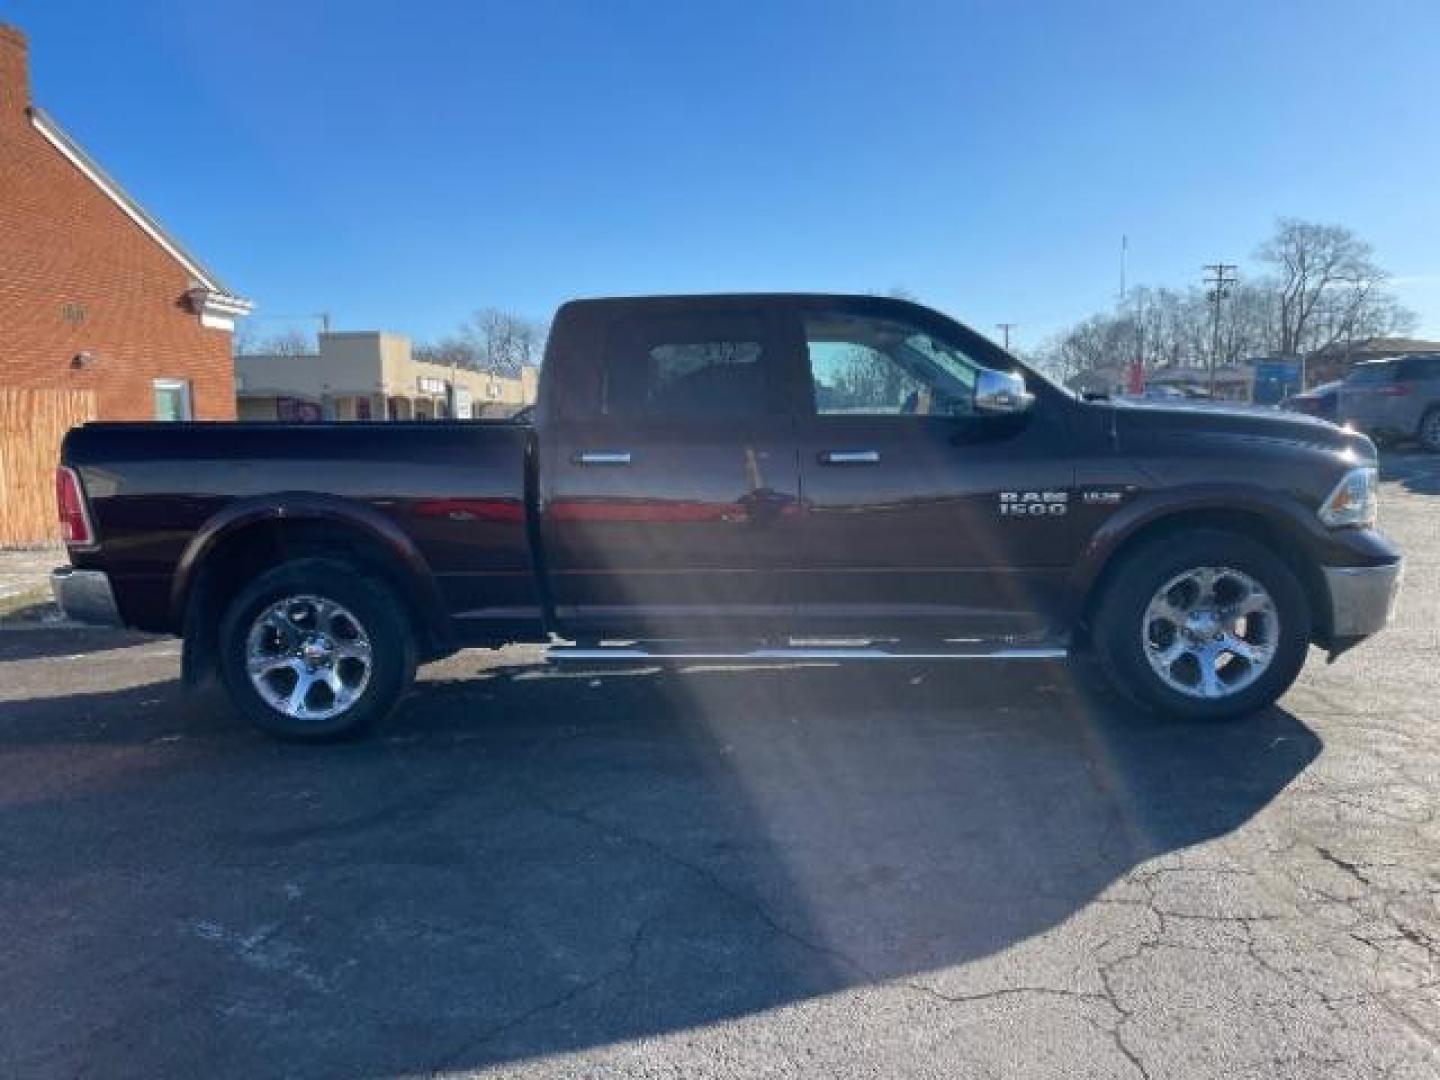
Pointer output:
x,y
876,871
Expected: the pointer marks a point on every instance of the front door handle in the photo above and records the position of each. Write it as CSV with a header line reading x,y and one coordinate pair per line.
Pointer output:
x,y
850,457
602,457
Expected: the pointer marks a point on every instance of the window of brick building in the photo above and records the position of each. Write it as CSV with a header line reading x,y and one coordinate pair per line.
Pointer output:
x,y
172,400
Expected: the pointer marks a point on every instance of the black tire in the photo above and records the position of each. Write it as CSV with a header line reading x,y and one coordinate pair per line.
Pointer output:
x,y
1120,634
364,600
1429,431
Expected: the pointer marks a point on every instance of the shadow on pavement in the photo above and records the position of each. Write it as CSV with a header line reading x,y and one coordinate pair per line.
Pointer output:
x,y
27,641
1418,473
530,861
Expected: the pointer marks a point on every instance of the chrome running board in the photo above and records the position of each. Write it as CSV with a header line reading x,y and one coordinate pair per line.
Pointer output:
x,y
630,654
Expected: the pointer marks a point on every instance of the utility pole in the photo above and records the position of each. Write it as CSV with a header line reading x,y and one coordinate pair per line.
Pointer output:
x,y
1219,278
1137,379
1005,328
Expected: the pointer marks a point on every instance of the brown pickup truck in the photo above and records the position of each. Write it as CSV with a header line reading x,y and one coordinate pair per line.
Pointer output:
x,y
778,476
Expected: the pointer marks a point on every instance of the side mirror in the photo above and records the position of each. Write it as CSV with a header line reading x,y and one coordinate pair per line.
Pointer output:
x,y
1001,393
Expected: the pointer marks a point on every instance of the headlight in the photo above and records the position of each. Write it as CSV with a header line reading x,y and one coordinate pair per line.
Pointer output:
x,y
1353,502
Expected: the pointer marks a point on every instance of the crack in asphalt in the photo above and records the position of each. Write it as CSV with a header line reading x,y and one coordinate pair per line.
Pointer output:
x,y
1353,869
1110,996
704,874
755,906
472,1043
1106,972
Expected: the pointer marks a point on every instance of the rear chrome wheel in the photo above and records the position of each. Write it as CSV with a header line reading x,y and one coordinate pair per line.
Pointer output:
x,y
1210,631
309,657
316,649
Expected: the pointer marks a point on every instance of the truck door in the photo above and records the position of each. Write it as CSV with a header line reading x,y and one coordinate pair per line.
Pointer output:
x,y
669,478
921,516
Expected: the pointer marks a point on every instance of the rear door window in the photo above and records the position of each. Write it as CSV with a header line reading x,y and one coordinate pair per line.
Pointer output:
x,y
698,366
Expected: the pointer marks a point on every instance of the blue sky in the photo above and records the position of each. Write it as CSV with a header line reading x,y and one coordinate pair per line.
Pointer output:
x,y
403,164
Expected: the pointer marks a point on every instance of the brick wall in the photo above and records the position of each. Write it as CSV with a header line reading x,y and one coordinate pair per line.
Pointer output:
x,y
79,276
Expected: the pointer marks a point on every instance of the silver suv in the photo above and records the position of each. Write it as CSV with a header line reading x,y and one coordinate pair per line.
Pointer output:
x,y
1395,398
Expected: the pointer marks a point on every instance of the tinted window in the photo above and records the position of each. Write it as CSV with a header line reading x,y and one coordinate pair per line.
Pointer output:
x,y
868,366
690,366
1420,368
1370,374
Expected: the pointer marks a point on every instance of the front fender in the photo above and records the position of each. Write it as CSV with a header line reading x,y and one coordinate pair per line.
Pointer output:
x,y
1276,512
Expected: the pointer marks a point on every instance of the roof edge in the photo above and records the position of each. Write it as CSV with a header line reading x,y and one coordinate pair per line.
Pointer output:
x,y
53,133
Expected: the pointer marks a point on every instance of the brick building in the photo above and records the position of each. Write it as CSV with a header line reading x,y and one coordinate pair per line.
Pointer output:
x,y
94,294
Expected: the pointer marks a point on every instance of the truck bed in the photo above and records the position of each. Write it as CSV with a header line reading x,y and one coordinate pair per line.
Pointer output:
x,y
157,490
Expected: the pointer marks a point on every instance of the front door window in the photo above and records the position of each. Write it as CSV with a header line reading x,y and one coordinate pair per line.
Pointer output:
x,y
866,366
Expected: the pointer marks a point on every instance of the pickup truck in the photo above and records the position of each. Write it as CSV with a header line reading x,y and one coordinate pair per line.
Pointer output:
x,y
786,477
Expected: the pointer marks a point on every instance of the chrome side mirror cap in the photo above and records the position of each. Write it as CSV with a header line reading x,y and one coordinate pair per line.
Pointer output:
x,y
1001,393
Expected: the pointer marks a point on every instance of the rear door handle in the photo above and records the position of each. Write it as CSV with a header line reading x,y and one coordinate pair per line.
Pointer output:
x,y
602,457
850,457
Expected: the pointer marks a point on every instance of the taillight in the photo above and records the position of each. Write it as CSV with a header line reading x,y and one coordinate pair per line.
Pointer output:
x,y
1395,390
74,517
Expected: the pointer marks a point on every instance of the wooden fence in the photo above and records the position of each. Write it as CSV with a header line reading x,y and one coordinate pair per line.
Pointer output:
x,y
32,423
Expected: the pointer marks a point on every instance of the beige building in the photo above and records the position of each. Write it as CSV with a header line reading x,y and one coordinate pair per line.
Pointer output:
x,y
371,375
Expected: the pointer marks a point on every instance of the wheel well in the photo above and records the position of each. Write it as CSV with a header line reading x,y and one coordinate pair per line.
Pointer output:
x,y
251,550
1279,539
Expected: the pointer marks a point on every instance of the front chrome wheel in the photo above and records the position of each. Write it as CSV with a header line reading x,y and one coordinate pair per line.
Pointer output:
x,y
1210,632
308,657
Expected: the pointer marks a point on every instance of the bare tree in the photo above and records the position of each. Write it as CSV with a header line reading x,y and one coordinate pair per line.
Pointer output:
x,y
1328,289
490,340
1101,341
451,351
243,340
506,342
1327,285
285,343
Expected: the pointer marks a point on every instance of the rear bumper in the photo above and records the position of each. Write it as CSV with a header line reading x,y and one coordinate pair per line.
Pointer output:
x,y
85,596
1362,598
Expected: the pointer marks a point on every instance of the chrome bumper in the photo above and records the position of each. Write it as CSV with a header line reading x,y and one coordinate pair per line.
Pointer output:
x,y
85,596
1362,598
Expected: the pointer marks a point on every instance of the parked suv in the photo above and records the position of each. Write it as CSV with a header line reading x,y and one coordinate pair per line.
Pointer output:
x,y
1395,398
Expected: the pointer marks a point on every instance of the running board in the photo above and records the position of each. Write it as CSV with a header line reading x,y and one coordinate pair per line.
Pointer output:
x,y
630,654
